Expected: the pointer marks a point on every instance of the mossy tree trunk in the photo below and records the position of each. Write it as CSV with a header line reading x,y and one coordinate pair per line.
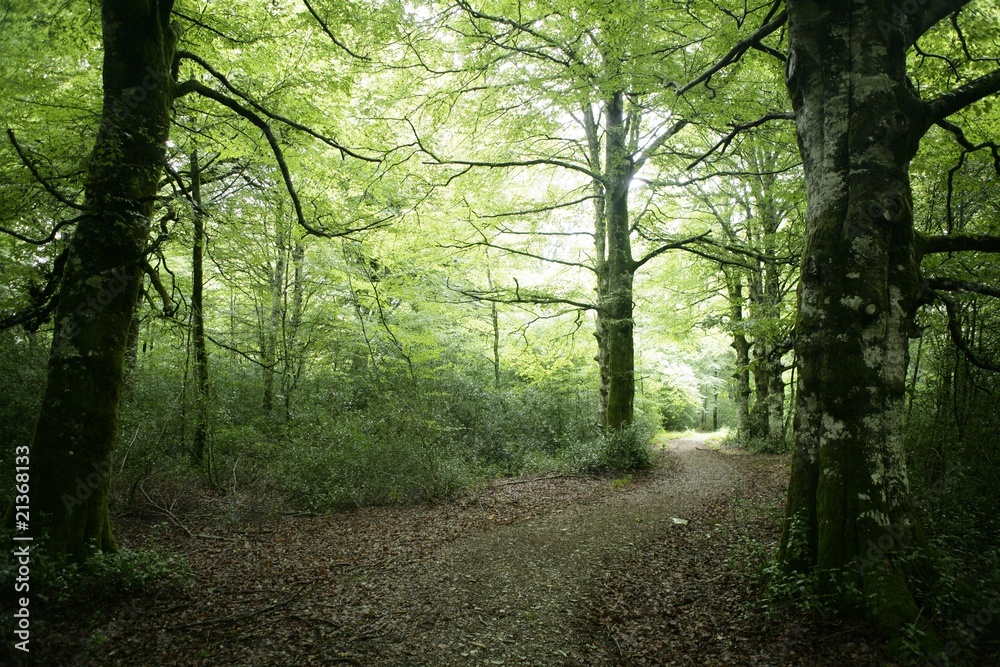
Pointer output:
x,y
616,304
858,124
202,452
613,263
71,454
600,263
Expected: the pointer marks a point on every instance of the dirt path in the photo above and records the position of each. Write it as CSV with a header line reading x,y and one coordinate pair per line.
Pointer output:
x,y
513,595
554,571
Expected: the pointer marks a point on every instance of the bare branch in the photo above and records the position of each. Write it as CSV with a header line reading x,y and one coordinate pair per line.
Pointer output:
x,y
502,164
235,350
502,296
344,150
526,30
736,52
192,85
329,33
522,253
650,150
673,245
48,239
44,300
169,307
929,245
723,143
955,329
51,189
533,211
510,164
956,100
954,285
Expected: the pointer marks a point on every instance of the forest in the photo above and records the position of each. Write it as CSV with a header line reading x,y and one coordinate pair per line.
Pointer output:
x,y
500,332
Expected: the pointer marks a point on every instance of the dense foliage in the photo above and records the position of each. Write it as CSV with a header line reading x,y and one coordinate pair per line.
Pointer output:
x,y
383,248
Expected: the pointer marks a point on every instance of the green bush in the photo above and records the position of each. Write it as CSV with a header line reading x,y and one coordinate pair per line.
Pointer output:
x,y
358,459
130,571
57,582
623,450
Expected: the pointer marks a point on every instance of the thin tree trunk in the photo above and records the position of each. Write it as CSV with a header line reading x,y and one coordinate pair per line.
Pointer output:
x,y
132,343
273,322
771,309
742,347
495,323
775,404
202,455
757,428
75,438
293,354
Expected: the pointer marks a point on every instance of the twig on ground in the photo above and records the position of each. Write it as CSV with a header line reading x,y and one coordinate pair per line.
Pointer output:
x,y
250,614
314,619
539,479
165,511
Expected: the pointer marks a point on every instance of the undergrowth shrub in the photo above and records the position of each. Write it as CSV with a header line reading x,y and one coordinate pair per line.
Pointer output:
x,y
56,582
626,449
359,459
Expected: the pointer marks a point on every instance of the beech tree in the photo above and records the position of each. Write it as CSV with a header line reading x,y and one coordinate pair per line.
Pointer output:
x,y
96,281
74,439
859,121
607,64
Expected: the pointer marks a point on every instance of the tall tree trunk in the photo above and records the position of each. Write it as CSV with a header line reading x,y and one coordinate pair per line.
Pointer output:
x,y
201,452
771,220
272,324
775,403
74,442
742,346
849,507
601,330
132,343
495,326
293,354
757,426
617,304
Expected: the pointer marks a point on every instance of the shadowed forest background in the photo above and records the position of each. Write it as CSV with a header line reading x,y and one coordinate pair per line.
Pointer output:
x,y
283,259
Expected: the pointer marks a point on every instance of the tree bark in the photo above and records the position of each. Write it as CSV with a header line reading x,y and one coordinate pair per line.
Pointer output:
x,y
73,446
617,302
771,310
275,317
742,347
849,509
600,264
201,452
294,354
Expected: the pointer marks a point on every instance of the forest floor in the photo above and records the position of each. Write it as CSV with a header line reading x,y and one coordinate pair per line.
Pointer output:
x,y
558,570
